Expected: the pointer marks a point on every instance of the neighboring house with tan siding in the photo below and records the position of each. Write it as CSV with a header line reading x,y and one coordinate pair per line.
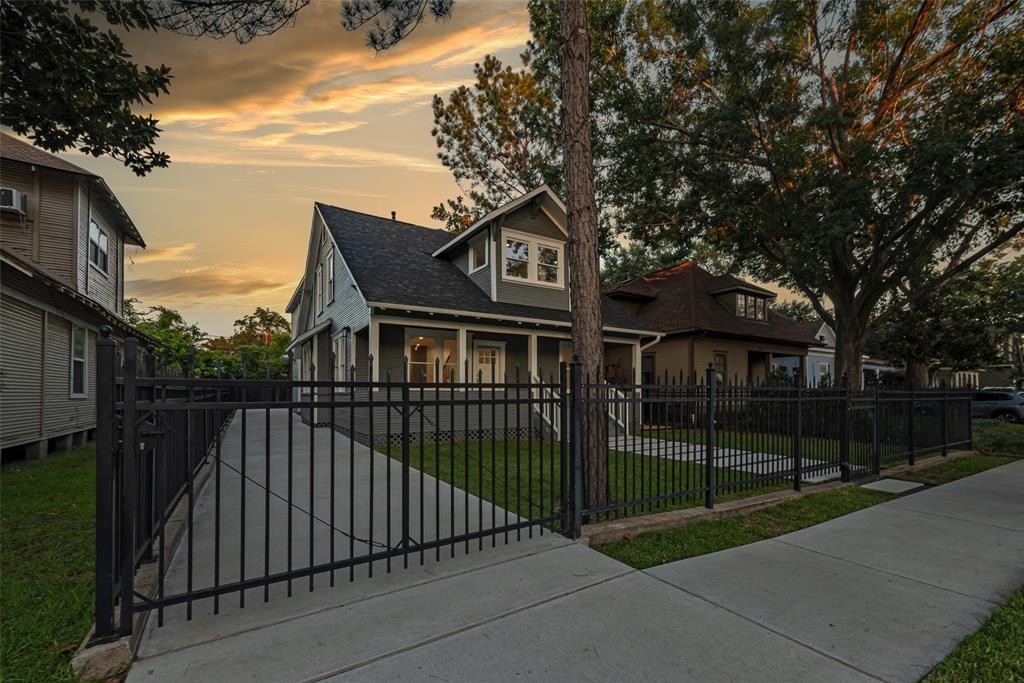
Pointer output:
x,y
708,320
62,239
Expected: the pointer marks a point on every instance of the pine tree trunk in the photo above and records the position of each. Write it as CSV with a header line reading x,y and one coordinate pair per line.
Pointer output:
x,y
585,281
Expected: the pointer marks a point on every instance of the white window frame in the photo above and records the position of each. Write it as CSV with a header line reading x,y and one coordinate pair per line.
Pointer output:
x,y
84,360
343,346
318,285
475,267
330,277
533,243
100,234
499,370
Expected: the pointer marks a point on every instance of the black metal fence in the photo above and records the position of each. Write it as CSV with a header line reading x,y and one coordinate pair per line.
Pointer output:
x,y
675,445
276,485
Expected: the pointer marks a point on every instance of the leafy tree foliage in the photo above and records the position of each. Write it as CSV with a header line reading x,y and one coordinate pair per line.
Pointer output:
x,y
962,325
66,82
502,136
800,311
391,21
260,338
860,153
499,139
622,262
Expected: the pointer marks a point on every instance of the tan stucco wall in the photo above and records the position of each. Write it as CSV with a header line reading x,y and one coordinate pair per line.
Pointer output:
x,y
673,355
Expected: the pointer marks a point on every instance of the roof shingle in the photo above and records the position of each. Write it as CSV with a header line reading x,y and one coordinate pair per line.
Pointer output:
x,y
392,263
682,302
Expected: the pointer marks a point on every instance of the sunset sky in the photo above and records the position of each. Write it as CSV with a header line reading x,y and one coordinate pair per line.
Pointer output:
x,y
258,132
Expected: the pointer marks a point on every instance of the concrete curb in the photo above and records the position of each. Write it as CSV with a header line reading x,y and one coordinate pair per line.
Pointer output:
x,y
612,531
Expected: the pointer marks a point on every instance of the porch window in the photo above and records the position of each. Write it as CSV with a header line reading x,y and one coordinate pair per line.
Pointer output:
x,y
721,367
79,342
478,256
751,307
427,351
517,260
99,246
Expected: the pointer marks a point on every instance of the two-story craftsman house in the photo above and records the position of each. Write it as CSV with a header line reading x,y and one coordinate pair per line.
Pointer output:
x,y
62,240
491,301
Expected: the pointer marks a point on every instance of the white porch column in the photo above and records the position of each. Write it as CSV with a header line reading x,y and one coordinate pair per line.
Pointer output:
x,y
374,349
636,362
531,355
462,339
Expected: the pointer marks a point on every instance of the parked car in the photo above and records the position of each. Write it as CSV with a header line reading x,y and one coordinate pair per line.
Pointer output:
x,y
1004,405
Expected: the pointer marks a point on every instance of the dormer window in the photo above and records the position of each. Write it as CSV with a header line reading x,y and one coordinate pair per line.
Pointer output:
x,y
478,256
751,307
533,260
99,246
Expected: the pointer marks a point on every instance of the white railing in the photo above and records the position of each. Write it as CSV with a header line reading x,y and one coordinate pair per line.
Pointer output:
x,y
619,408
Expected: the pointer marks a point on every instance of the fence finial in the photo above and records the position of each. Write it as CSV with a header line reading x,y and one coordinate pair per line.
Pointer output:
x,y
105,331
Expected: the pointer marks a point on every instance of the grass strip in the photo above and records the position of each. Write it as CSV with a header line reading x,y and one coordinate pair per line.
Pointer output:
x,y
47,532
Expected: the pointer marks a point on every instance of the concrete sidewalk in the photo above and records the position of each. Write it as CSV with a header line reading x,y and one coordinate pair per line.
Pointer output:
x,y
882,594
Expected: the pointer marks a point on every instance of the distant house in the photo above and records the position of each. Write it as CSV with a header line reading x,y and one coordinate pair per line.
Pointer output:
x,y
820,366
708,320
1005,372
62,247
492,301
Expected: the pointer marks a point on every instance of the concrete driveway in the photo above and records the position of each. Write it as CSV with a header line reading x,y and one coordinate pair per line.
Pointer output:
x,y
882,594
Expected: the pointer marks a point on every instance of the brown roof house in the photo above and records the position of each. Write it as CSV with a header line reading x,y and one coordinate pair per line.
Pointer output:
x,y
708,320
62,240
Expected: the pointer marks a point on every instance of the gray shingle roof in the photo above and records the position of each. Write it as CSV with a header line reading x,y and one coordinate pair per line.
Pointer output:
x,y
391,262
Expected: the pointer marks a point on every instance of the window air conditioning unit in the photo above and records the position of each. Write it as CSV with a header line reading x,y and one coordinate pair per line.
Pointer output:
x,y
13,201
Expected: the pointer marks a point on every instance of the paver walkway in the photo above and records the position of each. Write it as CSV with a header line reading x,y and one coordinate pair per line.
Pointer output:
x,y
882,594
758,463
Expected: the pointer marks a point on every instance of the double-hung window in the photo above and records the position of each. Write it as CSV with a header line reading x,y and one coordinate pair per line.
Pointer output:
x,y
533,260
79,348
721,367
330,277
318,285
99,246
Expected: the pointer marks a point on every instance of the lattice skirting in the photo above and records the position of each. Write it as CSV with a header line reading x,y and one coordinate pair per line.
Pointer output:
x,y
446,436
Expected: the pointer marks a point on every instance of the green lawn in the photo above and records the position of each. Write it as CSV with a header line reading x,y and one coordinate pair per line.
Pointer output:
x,y
994,654
709,536
996,436
956,469
47,531
538,475
712,535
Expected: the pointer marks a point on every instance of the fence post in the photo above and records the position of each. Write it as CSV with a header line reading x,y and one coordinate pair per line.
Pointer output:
x,y
128,486
563,432
798,433
709,442
944,422
405,453
106,365
576,444
910,425
844,433
876,431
